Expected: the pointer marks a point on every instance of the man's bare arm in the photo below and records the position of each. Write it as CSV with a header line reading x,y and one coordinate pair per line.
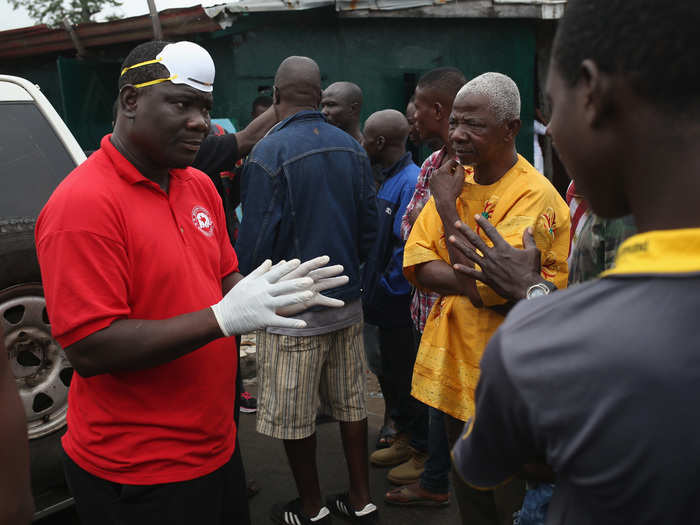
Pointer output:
x,y
136,344
253,132
446,185
16,504
439,277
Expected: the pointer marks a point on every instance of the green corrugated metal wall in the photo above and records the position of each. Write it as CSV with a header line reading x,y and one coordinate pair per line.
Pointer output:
x,y
380,55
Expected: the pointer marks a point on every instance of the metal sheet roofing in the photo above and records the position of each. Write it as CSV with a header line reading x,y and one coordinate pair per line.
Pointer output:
x,y
41,39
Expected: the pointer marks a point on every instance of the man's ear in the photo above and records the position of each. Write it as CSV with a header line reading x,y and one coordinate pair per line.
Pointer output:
x,y
275,95
512,129
380,141
355,107
438,111
128,101
596,92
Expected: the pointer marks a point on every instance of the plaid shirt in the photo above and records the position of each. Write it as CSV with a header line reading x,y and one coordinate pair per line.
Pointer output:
x,y
421,302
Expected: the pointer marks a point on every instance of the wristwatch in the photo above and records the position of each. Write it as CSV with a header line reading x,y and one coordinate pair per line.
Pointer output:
x,y
540,289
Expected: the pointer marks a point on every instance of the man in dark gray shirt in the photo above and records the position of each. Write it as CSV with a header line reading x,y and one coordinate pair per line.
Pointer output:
x,y
601,381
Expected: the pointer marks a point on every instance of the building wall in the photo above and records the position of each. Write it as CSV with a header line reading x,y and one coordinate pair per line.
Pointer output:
x,y
385,56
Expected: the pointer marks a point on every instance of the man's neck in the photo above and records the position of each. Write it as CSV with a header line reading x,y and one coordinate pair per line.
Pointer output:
x,y
491,172
355,132
283,111
662,178
435,143
161,176
392,156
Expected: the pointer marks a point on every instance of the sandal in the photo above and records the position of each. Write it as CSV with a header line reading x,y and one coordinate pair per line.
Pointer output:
x,y
385,437
414,495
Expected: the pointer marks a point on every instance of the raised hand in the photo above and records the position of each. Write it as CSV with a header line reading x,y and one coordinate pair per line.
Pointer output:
x,y
446,182
509,271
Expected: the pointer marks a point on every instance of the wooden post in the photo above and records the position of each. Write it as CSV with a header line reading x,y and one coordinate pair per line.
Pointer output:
x,y
155,21
74,37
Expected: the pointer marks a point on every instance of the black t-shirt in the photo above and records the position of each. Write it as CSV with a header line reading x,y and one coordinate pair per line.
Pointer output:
x,y
602,381
217,154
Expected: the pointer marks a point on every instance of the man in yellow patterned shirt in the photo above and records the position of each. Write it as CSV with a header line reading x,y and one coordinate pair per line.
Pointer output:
x,y
503,187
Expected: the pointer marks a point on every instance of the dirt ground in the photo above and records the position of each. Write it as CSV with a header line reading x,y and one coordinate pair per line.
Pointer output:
x,y
265,462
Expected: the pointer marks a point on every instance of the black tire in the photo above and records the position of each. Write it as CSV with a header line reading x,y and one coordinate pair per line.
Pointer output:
x,y
18,262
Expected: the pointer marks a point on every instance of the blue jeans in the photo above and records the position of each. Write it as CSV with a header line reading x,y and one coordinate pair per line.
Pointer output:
x,y
436,476
535,504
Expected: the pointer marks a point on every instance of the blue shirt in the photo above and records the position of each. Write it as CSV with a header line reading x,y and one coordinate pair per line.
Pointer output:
x,y
386,292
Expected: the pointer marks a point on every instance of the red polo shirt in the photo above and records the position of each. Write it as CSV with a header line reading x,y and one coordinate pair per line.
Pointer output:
x,y
113,245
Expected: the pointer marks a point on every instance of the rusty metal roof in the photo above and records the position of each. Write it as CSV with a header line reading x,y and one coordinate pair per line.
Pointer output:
x,y
40,39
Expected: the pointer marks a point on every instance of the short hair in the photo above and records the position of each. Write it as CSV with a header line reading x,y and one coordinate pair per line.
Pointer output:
x,y
262,100
500,90
446,80
142,53
653,43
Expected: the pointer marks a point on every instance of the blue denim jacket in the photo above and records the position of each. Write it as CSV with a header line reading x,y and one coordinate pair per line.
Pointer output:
x,y
386,292
307,190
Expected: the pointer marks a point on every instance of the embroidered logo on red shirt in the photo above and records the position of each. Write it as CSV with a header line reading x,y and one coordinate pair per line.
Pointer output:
x,y
202,220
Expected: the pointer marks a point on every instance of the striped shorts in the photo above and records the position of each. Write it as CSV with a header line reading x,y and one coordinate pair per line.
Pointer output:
x,y
297,373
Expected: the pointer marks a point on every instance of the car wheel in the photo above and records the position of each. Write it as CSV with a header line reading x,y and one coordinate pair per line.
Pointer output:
x,y
41,369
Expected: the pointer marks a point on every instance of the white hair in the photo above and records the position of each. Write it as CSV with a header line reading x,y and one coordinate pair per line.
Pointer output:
x,y
500,90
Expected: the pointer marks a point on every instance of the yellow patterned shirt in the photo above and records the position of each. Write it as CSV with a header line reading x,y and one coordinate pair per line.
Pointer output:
x,y
456,332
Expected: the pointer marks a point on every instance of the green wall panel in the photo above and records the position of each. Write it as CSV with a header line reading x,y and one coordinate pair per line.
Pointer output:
x,y
384,56
88,92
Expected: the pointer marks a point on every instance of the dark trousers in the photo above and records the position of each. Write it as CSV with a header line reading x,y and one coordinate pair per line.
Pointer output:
x,y
239,383
483,507
398,350
219,498
436,476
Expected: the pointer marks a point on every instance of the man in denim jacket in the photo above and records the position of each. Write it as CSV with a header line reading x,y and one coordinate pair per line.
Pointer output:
x,y
308,189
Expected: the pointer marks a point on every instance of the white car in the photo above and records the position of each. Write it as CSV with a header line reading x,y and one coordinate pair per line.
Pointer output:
x,y
37,150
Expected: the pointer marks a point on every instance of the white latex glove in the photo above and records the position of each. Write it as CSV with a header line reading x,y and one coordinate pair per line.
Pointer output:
x,y
253,302
325,278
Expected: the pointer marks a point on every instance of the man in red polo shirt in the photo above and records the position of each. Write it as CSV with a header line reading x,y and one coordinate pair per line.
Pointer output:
x,y
138,271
